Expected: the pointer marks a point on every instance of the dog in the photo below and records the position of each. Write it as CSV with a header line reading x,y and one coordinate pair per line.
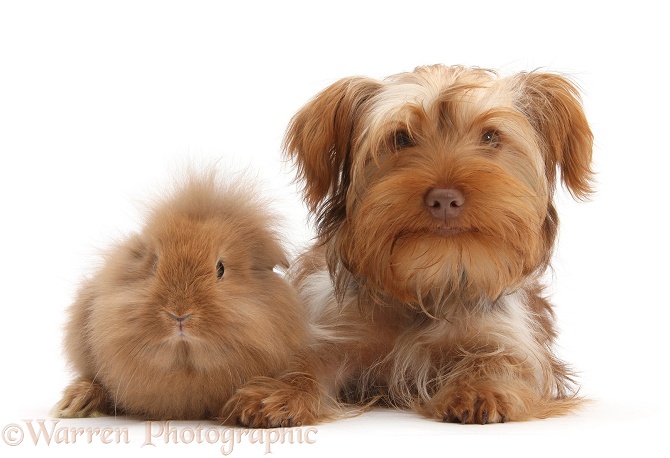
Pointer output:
x,y
432,194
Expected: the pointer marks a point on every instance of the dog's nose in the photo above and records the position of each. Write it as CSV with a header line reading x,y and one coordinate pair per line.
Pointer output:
x,y
444,204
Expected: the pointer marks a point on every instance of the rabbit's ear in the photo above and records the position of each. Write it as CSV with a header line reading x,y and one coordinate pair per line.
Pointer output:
x,y
268,253
135,259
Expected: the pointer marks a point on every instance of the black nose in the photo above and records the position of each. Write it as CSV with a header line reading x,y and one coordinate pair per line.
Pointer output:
x,y
444,204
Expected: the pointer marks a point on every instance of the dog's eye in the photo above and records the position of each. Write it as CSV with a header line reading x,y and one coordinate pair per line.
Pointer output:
x,y
219,270
402,139
491,138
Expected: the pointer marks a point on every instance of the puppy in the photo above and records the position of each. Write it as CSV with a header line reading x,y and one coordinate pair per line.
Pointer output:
x,y
432,193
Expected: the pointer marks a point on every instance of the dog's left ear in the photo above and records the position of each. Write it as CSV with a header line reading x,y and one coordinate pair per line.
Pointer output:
x,y
553,105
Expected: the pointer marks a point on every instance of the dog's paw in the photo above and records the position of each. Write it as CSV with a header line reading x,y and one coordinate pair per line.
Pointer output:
x,y
265,402
472,404
83,398
467,406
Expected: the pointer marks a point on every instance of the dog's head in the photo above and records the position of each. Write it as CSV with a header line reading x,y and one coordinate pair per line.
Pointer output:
x,y
440,181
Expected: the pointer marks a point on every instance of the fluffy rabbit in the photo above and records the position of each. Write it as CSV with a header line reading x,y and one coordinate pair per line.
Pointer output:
x,y
183,313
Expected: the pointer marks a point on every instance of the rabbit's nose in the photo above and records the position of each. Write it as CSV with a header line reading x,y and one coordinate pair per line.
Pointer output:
x,y
180,319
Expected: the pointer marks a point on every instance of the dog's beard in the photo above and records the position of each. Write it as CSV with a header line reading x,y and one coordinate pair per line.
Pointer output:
x,y
395,253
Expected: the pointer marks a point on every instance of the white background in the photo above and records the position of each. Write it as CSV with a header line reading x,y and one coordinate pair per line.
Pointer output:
x,y
101,104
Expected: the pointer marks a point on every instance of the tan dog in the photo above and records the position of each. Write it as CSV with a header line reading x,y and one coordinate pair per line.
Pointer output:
x,y
432,192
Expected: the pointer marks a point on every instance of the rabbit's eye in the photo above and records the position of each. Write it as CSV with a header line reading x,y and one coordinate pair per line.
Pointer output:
x,y
219,270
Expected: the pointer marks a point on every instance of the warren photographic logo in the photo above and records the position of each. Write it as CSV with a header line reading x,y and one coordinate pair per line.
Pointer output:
x,y
155,433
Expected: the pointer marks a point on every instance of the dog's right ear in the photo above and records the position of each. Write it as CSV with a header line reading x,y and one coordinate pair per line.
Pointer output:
x,y
319,139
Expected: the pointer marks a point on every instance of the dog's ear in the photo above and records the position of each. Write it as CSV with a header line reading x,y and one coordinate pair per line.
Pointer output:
x,y
553,105
319,139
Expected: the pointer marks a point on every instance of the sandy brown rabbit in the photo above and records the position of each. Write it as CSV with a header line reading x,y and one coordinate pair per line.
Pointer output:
x,y
183,313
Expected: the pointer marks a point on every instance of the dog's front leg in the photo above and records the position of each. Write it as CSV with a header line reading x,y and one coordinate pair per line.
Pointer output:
x,y
297,397
497,366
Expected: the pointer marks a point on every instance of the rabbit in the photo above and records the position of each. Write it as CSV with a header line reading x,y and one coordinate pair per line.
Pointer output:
x,y
184,312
